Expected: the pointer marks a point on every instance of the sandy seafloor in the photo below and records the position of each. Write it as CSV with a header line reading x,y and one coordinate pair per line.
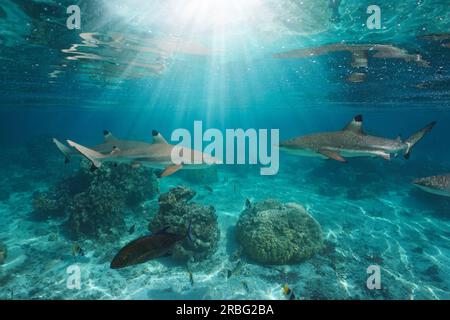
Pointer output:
x,y
369,212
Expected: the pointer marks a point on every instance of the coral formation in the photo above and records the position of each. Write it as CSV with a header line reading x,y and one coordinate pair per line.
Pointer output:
x,y
97,212
95,201
274,233
176,212
48,203
3,253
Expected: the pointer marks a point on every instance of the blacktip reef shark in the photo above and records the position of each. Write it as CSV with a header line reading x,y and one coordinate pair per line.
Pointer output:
x,y
439,185
157,155
107,147
352,141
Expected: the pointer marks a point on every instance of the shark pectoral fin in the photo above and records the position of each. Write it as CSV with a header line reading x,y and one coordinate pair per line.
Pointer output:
x,y
332,155
170,170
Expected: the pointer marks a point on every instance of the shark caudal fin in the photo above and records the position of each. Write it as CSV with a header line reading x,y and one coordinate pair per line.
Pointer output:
x,y
416,137
89,154
64,150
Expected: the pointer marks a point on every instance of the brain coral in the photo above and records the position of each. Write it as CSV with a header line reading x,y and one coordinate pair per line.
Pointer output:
x,y
274,233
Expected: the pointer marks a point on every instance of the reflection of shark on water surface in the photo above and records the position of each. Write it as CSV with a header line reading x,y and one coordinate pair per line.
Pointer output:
x,y
157,155
360,55
352,141
439,185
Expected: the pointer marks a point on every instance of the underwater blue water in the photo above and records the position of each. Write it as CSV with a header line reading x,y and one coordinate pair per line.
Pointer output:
x,y
135,66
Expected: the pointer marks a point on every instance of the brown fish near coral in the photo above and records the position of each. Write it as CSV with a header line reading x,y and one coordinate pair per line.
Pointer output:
x,y
147,248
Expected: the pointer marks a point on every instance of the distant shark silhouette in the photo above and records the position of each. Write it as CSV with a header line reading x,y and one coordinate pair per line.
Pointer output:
x,y
439,185
352,141
105,148
157,155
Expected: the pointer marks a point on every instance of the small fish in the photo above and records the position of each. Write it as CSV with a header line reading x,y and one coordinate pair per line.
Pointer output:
x,y
234,270
77,250
248,204
132,229
236,255
208,188
288,292
245,285
191,278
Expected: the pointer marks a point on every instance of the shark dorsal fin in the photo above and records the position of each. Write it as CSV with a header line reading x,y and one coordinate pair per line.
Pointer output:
x,y
356,125
158,138
109,137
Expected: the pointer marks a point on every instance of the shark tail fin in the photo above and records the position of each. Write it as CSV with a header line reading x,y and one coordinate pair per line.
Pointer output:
x,y
416,137
93,156
64,149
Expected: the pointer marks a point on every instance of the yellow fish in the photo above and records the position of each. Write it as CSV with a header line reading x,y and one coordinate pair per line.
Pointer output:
x,y
289,292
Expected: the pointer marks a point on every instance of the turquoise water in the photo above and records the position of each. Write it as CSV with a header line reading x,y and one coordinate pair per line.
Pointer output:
x,y
135,66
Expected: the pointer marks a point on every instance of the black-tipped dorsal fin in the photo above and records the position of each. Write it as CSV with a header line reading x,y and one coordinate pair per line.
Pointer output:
x,y
158,138
109,137
356,125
